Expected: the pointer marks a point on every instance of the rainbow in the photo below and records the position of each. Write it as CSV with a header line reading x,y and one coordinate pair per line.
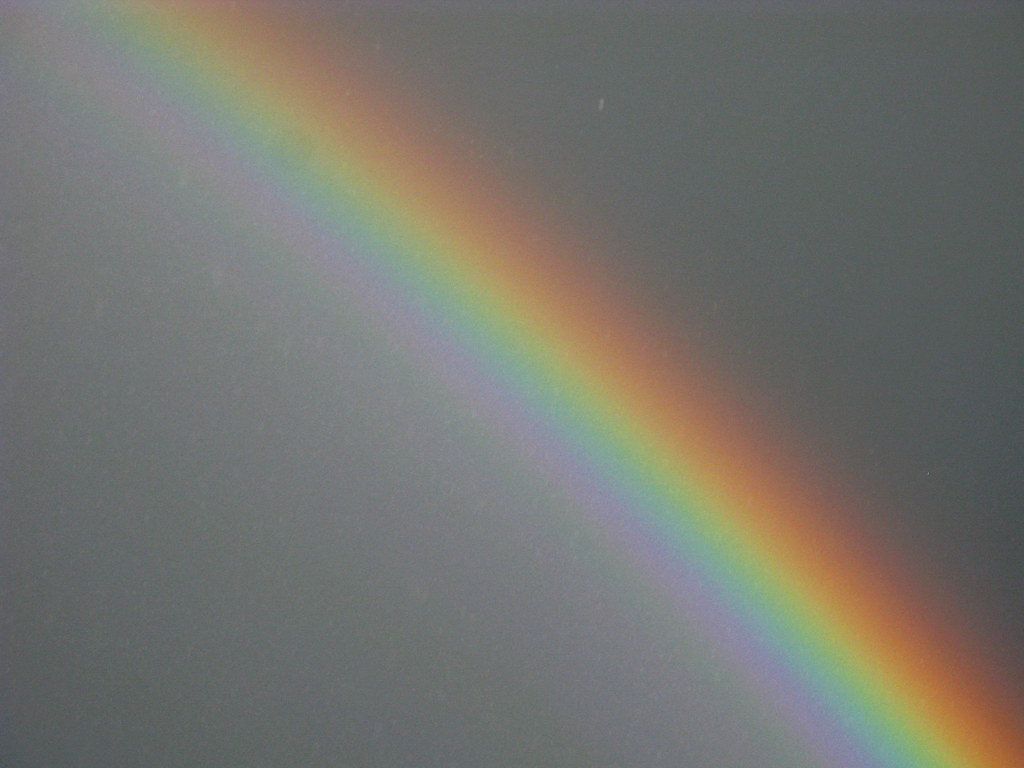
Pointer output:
x,y
869,675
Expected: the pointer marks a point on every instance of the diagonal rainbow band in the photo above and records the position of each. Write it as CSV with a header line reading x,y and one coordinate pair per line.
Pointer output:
x,y
505,299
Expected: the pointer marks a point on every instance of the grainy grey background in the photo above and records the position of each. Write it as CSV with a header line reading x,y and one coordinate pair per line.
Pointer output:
x,y
239,528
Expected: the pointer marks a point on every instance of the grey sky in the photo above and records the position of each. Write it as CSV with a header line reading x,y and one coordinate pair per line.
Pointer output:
x,y
239,529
